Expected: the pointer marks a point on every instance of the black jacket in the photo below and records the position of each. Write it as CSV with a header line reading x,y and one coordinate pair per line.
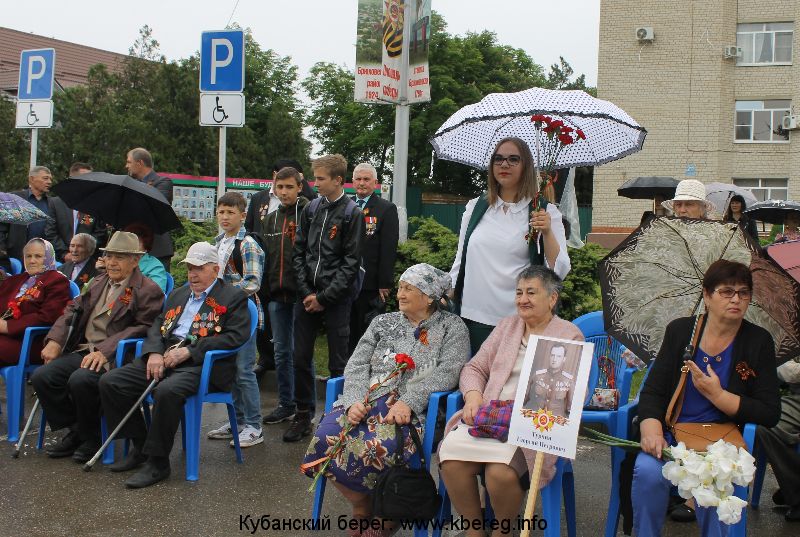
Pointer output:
x,y
760,400
327,253
88,271
279,230
59,230
162,242
235,324
381,233
259,204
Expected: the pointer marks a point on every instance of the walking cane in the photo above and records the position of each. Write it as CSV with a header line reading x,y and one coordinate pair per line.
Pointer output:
x,y
88,466
18,445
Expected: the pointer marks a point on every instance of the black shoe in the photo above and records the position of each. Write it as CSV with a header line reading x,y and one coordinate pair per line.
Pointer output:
x,y
300,427
793,514
278,415
66,446
150,474
682,513
86,450
778,499
134,460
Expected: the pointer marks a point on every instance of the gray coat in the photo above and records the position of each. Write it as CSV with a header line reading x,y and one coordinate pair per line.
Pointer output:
x,y
438,364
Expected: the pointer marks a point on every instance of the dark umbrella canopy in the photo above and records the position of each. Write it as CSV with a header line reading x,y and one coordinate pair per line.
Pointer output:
x,y
647,188
118,200
655,276
773,211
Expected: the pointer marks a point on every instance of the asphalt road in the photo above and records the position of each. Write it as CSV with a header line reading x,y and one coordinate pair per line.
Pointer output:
x,y
54,497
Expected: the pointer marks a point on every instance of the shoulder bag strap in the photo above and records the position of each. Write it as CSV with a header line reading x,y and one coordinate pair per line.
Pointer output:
x,y
676,403
412,431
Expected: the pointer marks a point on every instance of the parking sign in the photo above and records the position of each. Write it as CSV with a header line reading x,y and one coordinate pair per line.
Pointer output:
x,y
36,69
222,61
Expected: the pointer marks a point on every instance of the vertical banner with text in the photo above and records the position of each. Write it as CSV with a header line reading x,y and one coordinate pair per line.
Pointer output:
x,y
379,47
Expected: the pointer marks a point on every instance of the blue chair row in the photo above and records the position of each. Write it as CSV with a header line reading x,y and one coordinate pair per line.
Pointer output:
x,y
333,390
15,375
16,266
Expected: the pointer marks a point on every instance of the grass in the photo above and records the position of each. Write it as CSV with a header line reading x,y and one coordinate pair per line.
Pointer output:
x,y
321,355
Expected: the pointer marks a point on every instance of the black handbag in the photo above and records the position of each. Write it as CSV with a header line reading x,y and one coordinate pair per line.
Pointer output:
x,y
405,493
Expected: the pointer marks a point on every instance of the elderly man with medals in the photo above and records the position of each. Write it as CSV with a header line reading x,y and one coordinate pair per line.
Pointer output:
x,y
206,315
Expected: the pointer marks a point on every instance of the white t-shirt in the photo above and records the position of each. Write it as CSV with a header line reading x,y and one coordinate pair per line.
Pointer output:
x,y
497,253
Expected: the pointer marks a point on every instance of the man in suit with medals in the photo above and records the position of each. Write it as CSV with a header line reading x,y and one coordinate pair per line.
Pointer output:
x,y
551,389
80,348
206,315
381,228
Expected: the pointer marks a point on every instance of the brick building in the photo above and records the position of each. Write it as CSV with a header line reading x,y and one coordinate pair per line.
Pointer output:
x,y
711,114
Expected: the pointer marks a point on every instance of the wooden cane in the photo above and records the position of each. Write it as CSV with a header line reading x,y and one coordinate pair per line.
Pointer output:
x,y
18,446
534,490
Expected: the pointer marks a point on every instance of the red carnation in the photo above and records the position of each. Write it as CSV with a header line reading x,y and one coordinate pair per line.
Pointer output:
x,y
565,139
402,359
566,130
538,118
580,134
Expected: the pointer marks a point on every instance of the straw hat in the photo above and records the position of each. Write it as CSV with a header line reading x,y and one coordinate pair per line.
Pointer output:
x,y
690,190
123,242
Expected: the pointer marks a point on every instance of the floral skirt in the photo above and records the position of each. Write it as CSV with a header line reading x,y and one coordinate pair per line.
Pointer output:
x,y
368,450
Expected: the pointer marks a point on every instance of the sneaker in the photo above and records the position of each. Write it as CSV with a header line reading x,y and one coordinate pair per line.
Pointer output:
x,y
249,436
222,433
282,413
300,427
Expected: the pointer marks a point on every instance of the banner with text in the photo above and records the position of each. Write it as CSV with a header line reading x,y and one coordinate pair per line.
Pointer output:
x,y
379,47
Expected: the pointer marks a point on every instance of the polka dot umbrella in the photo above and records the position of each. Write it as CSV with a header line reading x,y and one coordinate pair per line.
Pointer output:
x,y
470,135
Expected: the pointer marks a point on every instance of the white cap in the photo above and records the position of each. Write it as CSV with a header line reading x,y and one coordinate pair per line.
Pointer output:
x,y
201,253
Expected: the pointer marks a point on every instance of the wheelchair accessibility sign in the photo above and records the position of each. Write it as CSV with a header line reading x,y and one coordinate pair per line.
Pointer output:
x,y
34,114
222,109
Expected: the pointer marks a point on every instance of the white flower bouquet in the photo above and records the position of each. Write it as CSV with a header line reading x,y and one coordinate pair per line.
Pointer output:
x,y
708,477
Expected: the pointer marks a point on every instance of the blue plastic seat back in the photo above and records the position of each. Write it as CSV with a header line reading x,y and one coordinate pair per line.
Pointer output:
x,y
16,265
170,284
593,328
74,290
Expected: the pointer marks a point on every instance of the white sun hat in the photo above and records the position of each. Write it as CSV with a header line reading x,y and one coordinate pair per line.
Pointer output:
x,y
690,190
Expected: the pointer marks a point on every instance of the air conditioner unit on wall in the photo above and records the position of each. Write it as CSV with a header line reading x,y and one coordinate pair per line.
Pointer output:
x,y
733,52
790,123
645,33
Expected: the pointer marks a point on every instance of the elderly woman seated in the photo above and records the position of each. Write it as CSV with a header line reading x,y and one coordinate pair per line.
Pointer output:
x,y
493,374
732,378
36,297
438,343
81,266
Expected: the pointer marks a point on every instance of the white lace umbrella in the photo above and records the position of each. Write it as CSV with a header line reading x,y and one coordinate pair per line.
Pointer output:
x,y
720,195
470,135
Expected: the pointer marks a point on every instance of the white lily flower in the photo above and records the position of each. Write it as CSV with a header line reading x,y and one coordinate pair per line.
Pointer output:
x,y
729,510
679,452
674,472
705,496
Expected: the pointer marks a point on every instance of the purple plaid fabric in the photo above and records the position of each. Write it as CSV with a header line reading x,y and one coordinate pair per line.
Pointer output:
x,y
492,420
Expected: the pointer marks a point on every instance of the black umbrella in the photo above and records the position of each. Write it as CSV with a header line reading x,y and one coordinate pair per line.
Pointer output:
x,y
647,188
118,200
772,211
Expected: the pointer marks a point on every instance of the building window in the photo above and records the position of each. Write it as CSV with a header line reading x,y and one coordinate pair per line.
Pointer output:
x,y
761,121
765,189
765,43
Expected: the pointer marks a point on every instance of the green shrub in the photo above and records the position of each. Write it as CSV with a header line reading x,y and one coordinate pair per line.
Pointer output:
x,y
191,233
581,287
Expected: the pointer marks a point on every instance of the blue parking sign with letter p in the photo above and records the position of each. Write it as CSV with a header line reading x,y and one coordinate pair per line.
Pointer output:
x,y
222,61
36,71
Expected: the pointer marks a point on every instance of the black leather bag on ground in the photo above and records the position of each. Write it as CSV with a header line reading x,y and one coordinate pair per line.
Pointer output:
x,y
404,493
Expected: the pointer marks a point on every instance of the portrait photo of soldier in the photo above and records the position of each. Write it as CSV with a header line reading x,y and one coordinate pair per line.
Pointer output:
x,y
552,380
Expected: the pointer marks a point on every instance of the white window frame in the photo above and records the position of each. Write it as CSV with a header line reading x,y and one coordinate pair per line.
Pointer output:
x,y
751,35
764,187
736,124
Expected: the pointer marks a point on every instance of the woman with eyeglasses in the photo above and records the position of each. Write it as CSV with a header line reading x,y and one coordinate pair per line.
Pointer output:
x,y
500,235
732,378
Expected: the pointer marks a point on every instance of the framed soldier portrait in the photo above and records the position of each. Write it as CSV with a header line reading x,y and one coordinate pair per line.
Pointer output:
x,y
550,395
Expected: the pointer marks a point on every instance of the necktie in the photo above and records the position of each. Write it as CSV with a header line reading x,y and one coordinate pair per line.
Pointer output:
x,y
361,203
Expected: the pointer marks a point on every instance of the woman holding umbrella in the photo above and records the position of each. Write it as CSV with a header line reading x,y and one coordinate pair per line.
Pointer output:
x,y
735,213
500,235
36,297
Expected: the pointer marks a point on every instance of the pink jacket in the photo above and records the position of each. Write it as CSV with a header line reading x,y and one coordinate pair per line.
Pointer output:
x,y
488,371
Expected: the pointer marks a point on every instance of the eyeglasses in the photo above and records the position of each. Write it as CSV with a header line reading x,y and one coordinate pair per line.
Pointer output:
x,y
513,160
728,292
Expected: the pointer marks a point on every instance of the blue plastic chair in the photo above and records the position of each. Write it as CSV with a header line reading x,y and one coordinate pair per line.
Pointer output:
x,y
16,265
170,285
563,483
761,469
616,422
15,375
333,390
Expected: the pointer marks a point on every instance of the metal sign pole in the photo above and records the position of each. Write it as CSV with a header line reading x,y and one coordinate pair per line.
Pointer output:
x,y
401,127
34,146
222,152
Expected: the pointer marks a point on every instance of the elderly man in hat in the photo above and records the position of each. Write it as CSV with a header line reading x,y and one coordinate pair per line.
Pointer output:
x,y
206,315
82,344
690,200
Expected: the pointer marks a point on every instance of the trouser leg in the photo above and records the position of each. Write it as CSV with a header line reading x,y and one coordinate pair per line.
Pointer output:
x,y
169,396
119,390
246,395
358,317
50,383
780,445
281,318
649,494
337,321
306,326
85,394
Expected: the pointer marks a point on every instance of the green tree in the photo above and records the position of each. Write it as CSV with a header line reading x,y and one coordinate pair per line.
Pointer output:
x,y
14,149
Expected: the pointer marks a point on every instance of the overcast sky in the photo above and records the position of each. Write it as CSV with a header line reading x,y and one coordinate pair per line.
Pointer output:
x,y
311,30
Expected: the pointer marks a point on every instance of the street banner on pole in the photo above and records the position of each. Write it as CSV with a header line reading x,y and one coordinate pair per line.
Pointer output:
x,y
368,51
419,87
394,19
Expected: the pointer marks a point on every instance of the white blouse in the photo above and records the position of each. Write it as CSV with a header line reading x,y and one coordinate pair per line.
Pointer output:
x,y
497,253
